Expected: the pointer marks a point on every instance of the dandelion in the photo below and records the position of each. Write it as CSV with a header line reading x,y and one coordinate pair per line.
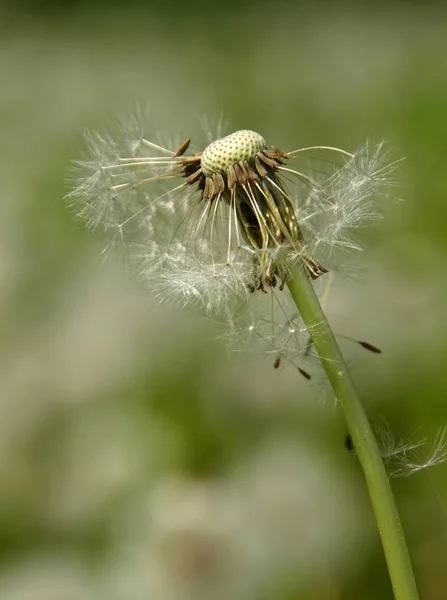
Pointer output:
x,y
216,228
216,225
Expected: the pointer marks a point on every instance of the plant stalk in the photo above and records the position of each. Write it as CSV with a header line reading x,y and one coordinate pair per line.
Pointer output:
x,y
365,444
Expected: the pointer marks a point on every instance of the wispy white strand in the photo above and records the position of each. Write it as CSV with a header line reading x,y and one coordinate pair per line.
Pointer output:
x,y
345,201
409,458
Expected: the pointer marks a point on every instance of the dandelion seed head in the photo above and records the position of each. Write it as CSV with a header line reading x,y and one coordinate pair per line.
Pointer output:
x,y
212,230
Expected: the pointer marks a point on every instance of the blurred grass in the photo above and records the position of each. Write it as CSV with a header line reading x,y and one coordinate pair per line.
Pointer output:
x,y
109,402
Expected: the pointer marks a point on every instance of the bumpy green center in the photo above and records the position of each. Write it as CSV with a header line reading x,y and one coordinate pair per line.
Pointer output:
x,y
240,145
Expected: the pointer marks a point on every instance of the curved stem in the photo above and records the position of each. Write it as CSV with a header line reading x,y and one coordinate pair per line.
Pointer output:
x,y
382,499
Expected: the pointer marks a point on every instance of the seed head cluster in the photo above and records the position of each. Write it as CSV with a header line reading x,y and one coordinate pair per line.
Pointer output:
x,y
213,229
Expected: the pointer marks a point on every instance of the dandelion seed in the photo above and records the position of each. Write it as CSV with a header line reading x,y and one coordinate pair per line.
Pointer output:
x,y
369,346
349,444
408,459
304,373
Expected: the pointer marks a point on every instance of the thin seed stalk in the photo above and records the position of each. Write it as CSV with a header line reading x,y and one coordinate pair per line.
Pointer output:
x,y
382,499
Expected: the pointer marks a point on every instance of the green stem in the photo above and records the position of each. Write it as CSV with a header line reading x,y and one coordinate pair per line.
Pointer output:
x,y
382,499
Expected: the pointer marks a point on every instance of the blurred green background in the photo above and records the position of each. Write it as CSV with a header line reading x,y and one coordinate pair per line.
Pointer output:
x,y
137,460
